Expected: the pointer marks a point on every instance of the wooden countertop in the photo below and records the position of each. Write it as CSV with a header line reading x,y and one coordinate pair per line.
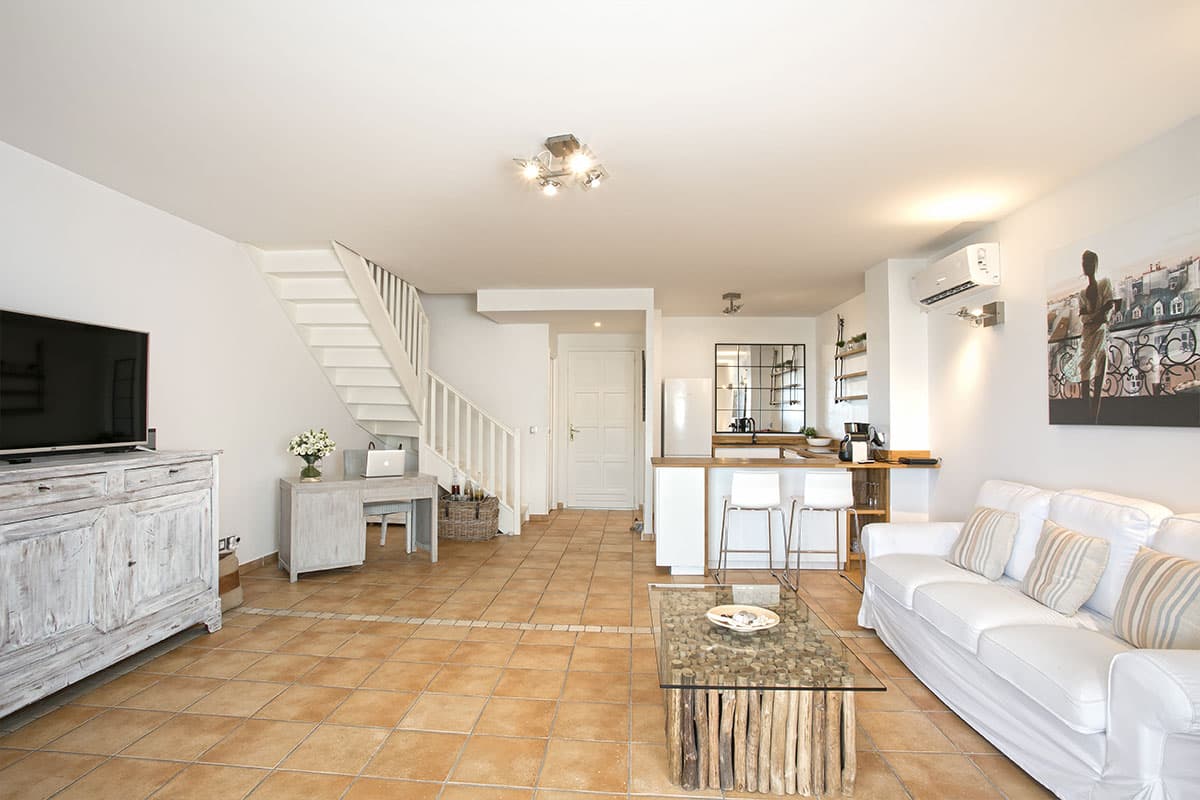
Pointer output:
x,y
824,462
764,439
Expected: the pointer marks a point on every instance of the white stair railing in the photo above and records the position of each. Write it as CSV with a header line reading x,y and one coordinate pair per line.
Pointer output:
x,y
483,449
403,304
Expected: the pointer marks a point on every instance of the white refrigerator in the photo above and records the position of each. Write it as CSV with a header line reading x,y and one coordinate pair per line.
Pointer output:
x,y
687,417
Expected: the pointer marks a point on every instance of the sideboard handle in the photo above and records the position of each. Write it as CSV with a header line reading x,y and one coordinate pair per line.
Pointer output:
x,y
43,487
174,470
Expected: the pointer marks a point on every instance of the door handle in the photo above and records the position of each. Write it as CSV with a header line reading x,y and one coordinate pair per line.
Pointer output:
x,y
131,563
574,431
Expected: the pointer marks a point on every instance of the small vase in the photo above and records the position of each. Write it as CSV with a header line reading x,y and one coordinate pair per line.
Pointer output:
x,y
310,473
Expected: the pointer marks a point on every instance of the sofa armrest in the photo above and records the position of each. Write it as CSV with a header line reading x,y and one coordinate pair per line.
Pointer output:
x,y
1155,688
923,538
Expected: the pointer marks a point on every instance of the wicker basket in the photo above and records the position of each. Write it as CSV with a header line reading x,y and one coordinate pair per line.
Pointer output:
x,y
468,520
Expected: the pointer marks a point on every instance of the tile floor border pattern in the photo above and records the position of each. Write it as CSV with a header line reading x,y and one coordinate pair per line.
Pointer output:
x,y
453,623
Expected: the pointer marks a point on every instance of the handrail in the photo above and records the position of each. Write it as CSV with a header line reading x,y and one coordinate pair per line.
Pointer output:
x,y
404,308
453,389
472,441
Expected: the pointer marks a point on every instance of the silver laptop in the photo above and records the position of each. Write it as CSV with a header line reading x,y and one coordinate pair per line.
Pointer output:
x,y
385,463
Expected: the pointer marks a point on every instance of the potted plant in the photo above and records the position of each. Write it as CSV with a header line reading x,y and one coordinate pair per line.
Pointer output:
x,y
312,446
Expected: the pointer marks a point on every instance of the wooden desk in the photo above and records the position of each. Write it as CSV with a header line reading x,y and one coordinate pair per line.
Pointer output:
x,y
322,525
688,488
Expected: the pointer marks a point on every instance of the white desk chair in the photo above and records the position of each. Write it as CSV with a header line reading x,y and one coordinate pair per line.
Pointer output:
x,y
354,463
823,491
754,491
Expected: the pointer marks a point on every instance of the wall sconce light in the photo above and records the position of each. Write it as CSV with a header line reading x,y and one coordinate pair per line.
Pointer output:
x,y
984,316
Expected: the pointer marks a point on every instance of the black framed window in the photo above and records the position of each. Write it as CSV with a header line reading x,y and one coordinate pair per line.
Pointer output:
x,y
759,387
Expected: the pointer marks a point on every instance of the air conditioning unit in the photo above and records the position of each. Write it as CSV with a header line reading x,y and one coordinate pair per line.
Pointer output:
x,y
963,273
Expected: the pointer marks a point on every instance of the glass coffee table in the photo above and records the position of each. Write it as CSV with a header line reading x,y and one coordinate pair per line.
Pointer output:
x,y
770,711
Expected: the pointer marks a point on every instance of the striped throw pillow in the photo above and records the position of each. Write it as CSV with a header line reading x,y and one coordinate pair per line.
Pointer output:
x,y
1066,568
986,542
1159,605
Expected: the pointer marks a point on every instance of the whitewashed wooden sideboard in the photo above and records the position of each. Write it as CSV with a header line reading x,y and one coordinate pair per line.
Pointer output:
x,y
100,557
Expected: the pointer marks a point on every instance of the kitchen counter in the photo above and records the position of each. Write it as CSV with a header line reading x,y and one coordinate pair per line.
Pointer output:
x,y
690,490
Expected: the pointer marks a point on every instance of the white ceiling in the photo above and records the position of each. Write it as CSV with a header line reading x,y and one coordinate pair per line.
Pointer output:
x,y
775,148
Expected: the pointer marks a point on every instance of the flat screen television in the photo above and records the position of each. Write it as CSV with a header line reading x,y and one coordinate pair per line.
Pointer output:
x,y
69,385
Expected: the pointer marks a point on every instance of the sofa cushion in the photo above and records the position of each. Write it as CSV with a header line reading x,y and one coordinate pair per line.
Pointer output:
x,y
1160,603
899,575
1125,522
1066,568
963,611
1063,670
1031,505
1179,536
986,542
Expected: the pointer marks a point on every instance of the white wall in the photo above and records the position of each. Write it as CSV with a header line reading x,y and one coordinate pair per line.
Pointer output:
x,y
988,409
688,342
227,370
830,416
501,368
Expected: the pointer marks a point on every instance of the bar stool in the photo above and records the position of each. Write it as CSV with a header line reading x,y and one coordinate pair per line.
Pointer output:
x,y
751,491
823,491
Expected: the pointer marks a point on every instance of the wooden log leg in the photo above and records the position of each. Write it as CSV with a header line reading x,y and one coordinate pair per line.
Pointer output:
x,y
803,745
701,715
728,701
779,740
849,744
789,750
673,698
753,723
764,741
833,743
741,706
714,739
817,744
687,736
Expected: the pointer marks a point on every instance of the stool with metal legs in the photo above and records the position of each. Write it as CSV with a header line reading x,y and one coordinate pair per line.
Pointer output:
x,y
750,491
823,491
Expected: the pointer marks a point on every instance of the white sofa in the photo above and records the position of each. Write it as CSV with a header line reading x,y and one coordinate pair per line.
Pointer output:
x,y
1077,708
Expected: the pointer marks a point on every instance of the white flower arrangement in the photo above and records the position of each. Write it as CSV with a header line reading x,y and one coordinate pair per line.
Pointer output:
x,y
312,444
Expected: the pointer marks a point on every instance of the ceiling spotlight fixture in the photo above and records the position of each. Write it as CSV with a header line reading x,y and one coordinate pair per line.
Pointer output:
x,y
596,324
732,298
564,157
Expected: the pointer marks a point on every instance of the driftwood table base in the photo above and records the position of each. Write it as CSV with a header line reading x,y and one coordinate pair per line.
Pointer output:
x,y
777,742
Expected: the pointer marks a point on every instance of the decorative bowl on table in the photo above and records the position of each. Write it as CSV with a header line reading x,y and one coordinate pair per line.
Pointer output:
x,y
819,441
742,619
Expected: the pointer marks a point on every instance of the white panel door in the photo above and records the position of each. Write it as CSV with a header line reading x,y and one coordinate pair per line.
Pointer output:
x,y
602,398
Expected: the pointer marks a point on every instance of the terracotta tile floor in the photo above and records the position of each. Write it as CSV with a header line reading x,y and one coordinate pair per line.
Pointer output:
x,y
563,707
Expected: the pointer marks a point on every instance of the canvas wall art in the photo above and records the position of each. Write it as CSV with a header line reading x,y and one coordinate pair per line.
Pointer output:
x,y
1122,320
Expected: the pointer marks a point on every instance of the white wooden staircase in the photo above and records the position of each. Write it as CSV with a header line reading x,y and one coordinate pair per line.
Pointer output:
x,y
367,329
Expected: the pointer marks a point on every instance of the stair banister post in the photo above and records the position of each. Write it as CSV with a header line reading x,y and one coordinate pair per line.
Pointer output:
x,y
502,490
516,482
492,462
457,428
445,422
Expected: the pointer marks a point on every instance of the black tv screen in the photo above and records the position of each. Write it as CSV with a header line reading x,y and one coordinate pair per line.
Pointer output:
x,y
70,386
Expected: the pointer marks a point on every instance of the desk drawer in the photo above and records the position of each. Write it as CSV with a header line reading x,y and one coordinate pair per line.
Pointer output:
x,y
168,474
51,490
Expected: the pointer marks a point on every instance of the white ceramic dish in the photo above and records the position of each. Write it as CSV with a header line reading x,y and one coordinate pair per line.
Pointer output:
x,y
819,441
724,616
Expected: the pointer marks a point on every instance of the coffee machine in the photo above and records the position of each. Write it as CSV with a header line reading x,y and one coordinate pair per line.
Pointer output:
x,y
860,442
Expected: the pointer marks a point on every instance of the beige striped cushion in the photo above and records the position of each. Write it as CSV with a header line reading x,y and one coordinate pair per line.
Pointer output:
x,y
986,542
1066,568
1159,605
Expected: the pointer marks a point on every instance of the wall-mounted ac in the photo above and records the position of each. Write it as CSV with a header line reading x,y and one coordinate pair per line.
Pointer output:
x,y
963,273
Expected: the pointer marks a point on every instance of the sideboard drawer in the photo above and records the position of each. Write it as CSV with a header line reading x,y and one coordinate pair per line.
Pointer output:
x,y
167,474
21,494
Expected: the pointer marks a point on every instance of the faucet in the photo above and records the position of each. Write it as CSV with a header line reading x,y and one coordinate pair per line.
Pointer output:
x,y
753,430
